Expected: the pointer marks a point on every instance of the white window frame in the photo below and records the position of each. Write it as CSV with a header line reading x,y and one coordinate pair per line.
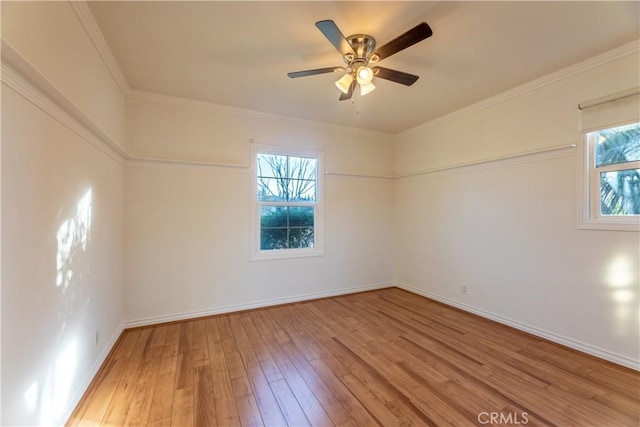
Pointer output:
x,y
258,254
589,188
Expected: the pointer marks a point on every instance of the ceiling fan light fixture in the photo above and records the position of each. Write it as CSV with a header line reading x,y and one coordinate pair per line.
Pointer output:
x,y
366,88
359,51
344,82
364,75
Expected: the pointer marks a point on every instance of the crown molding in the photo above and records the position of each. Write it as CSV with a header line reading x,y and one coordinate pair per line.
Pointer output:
x,y
581,67
86,18
246,113
18,74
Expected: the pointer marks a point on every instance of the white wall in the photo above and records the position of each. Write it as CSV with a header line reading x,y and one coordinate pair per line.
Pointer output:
x,y
62,214
187,226
177,234
507,229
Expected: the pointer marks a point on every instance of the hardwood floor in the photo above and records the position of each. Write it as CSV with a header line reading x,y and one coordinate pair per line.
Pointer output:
x,y
384,357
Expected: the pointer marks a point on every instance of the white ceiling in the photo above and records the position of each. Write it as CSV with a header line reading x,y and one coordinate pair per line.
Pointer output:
x,y
238,53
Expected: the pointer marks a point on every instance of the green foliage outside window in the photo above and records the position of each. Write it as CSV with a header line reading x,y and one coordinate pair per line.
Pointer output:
x,y
619,189
284,227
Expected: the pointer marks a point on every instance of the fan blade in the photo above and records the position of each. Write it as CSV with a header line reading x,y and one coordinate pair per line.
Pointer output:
x,y
333,34
305,73
411,37
348,95
395,76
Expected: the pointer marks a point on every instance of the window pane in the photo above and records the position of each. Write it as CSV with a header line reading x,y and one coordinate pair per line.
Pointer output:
x,y
273,216
620,192
617,145
301,216
286,178
273,189
302,168
302,190
300,237
284,227
271,165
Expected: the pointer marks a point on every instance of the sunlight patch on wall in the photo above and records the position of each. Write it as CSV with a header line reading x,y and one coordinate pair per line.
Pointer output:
x,y
73,236
63,373
620,277
47,397
31,397
50,401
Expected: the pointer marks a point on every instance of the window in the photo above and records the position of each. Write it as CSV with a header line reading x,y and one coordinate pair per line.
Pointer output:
x,y
611,166
615,170
287,205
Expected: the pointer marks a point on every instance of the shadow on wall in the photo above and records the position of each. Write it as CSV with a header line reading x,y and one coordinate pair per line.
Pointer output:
x,y
47,399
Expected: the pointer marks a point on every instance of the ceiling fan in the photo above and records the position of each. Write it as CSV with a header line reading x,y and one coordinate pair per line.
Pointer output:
x,y
359,53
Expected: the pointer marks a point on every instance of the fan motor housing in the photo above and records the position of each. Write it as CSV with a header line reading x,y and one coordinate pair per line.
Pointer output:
x,y
363,45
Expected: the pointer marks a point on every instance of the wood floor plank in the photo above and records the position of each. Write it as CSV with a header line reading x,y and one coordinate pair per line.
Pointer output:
x,y
118,408
200,343
225,405
203,399
162,400
376,407
312,408
243,394
332,406
98,402
293,413
266,401
385,357
265,360
385,393
357,411
140,407
182,414
429,409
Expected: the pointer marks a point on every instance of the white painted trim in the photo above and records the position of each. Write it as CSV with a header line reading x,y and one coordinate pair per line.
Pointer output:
x,y
91,375
224,109
609,98
81,8
154,320
151,162
510,159
18,74
142,161
358,175
591,63
559,339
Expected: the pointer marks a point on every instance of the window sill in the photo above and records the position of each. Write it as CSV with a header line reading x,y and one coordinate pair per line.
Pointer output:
x,y
285,254
593,224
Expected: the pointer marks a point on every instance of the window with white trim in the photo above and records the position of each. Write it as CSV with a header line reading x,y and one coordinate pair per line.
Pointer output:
x,y
611,165
287,203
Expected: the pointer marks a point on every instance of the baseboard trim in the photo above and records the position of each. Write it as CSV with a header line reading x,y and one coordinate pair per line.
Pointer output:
x,y
154,320
95,369
559,339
